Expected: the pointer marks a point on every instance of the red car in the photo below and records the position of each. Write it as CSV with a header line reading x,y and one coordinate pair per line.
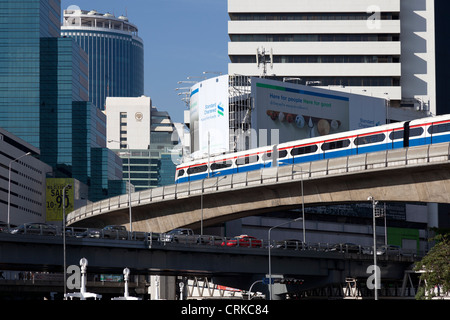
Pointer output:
x,y
243,241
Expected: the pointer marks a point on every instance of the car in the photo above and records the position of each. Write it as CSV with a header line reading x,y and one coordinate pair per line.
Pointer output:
x,y
389,250
90,233
115,232
35,228
243,241
3,226
110,232
289,244
180,235
346,247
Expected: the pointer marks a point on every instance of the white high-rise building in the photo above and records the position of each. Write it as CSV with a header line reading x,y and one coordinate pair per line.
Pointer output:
x,y
382,48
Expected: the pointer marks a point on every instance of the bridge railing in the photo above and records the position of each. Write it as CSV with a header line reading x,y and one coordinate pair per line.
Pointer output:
x,y
413,156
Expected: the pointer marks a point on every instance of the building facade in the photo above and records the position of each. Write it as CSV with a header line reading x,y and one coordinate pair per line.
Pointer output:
x,y
384,49
116,53
22,181
23,25
144,138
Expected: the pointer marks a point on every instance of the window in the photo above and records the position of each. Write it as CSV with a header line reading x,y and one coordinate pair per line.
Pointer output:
x,y
267,156
180,172
304,150
415,132
339,144
282,153
197,169
439,128
247,160
221,165
374,138
395,135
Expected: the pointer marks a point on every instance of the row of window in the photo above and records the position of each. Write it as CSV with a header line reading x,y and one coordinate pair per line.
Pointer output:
x,y
332,145
313,37
314,16
318,59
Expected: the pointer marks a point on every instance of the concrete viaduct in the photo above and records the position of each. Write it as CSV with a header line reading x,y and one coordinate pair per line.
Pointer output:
x,y
415,174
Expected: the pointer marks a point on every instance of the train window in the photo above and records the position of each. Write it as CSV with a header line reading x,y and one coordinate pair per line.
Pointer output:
x,y
415,132
267,156
246,160
396,135
180,172
197,169
304,150
282,153
374,138
221,165
439,128
335,144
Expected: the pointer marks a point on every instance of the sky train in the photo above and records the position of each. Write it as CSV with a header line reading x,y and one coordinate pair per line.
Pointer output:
x,y
390,136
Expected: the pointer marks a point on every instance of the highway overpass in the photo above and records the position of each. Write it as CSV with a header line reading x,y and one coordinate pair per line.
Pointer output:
x,y
237,267
415,174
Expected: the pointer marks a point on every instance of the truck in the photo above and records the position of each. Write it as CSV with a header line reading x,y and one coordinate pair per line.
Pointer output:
x,y
187,236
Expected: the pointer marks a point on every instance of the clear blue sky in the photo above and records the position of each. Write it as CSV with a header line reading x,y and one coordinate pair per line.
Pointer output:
x,y
182,38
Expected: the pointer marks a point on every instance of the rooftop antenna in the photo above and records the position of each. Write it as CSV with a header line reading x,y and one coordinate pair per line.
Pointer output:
x,y
263,58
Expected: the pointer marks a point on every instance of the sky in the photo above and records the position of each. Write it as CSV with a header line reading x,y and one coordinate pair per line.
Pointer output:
x,y
182,38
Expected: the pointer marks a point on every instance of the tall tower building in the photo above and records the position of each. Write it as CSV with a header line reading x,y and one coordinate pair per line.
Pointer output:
x,y
384,48
44,95
116,53
23,25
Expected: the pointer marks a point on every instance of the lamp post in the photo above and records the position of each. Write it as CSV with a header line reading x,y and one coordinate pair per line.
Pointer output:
x,y
303,203
64,233
9,186
129,184
201,199
375,269
270,261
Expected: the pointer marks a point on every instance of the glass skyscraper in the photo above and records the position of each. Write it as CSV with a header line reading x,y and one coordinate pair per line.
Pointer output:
x,y
116,53
23,24
44,96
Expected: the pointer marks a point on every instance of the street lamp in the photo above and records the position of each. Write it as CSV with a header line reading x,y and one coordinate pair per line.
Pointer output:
x,y
64,232
270,261
303,202
9,186
375,269
201,199
129,183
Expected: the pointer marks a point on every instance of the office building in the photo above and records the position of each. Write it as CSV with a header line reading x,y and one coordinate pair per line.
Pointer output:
x,y
23,174
23,25
45,95
115,51
384,49
144,138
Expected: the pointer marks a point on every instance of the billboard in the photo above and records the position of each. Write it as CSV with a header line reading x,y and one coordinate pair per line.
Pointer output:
x,y
300,112
209,116
54,197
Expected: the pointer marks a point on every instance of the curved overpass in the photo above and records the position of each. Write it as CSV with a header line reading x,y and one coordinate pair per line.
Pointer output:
x,y
416,174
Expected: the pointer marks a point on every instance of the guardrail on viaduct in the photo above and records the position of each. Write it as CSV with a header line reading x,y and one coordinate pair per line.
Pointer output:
x,y
378,162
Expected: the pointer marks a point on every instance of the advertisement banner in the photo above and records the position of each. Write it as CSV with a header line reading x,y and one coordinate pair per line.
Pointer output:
x,y
54,197
209,116
298,112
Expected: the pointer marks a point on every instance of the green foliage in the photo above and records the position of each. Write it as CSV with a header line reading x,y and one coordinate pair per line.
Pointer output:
x,y
436,268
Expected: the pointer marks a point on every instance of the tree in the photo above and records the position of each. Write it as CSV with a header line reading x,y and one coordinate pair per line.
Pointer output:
x,y
436,268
